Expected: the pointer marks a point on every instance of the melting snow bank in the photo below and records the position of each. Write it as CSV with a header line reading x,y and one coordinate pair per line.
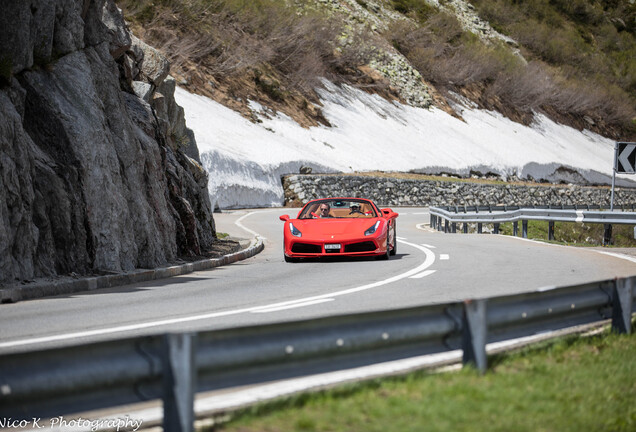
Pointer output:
x,y
246,160
240,183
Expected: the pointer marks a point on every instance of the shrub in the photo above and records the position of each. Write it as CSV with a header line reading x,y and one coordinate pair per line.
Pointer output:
x,y
230,37
446,55
590,43
420,10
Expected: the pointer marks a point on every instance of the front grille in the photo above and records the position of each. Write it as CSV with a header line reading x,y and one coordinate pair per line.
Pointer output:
x,y
366,246
306,248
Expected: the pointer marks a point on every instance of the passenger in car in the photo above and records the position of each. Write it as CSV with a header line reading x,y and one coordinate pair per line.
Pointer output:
x,y
354,208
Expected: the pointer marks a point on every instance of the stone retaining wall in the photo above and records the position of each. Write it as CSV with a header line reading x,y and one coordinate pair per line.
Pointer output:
x,y
387,191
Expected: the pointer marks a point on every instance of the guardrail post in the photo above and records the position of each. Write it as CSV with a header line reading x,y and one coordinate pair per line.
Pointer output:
x,y
607,235
179,382
515,228
454,227
474,334
622,305
433,221
551,230
496,228
465,228
446,229
479,228
524,228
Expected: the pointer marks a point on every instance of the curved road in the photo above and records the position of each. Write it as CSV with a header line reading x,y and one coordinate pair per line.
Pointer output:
x,y
430,267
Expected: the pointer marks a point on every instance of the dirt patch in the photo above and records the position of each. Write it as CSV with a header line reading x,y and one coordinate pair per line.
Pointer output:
x,y
219,248
478,94
261,85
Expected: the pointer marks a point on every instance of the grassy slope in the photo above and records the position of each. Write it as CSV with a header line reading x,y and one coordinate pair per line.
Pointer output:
x,y
572,384
581,57
575,234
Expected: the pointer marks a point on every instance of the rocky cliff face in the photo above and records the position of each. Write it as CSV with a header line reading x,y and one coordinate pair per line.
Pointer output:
x,y
95,171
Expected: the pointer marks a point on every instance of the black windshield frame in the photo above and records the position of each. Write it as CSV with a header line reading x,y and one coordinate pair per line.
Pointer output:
x,y
340,208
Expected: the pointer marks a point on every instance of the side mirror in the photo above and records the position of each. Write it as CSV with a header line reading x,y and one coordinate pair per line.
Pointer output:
x,y
388,213
284,218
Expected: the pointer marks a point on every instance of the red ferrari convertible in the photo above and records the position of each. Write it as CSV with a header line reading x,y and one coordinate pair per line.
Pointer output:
x,y
340,227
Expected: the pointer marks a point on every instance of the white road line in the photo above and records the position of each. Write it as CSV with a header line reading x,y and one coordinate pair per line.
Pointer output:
x,y
444,256
428,246
118,329
243,227
612,254
423,274
429,260
296,305
425,227
618,255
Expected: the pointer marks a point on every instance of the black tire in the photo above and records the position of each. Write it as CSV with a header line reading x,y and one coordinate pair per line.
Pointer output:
x,y
394,250
385,256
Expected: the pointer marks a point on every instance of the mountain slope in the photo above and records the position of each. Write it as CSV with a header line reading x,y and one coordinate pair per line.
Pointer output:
x,y
302,73
421,52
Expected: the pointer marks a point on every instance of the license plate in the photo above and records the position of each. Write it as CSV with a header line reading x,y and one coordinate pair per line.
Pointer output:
x,y
333,246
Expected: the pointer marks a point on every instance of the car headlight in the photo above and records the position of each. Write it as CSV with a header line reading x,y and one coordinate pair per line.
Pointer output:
x,y
294,230
372,229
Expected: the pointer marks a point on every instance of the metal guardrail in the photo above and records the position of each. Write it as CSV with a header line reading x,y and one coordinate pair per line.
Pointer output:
x,y
172,367
446,218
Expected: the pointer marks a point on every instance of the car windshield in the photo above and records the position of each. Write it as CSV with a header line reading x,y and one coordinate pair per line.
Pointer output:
x,y
338,208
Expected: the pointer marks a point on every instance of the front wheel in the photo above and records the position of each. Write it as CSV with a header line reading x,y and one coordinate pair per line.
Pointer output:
x,y
385,256
290,259
394,250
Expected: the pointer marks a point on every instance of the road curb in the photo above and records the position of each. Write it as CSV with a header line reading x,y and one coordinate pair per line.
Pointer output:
x,y
12,294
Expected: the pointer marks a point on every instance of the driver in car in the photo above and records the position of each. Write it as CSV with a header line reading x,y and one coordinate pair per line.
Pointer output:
x,y
324,210
354,208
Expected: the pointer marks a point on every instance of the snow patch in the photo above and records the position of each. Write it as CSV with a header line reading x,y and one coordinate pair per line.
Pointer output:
x,y
246,160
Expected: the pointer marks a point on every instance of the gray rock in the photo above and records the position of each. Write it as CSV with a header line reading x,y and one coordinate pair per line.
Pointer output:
x,y
120,40
75,24
155,67
143,90
92,178
407,192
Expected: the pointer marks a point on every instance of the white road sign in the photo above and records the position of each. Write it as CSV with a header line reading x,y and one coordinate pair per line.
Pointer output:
x,y
625,161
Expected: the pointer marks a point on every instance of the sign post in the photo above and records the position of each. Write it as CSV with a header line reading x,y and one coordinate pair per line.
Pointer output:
x,y
624,163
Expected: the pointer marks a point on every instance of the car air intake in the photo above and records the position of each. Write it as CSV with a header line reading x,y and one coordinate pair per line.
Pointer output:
x,y
306,248
367,246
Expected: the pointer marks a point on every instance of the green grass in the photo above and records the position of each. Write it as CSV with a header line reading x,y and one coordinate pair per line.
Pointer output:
x,y
569,384
576,234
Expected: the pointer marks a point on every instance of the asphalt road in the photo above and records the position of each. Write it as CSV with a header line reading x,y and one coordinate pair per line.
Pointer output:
x,y
430,267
